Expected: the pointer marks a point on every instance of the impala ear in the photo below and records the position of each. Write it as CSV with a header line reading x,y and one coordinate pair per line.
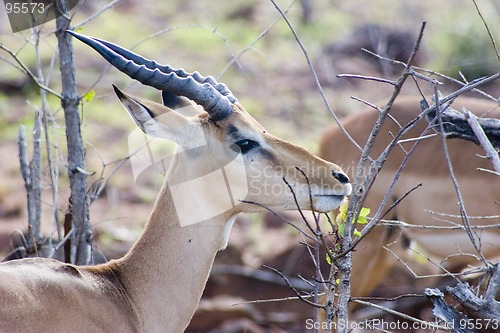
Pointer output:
x,y
156,120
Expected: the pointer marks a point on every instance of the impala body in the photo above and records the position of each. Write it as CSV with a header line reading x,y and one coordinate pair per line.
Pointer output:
x,y
157,285
427,165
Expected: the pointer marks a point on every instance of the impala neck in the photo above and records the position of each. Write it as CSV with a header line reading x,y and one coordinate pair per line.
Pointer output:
x,y
167,269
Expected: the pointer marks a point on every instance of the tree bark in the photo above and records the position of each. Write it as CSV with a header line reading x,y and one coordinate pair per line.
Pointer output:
x,y
31,171
456,126
81,246
447,313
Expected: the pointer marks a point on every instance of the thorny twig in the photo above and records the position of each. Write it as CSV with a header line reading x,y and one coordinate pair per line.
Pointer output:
x,y
465,218
402,315
281,217
96,14
260,275
299,295
315,76
235,58
360,191
493,43
409,71
50,149
491,153
431,73
27,71
402,224
319,235
297,205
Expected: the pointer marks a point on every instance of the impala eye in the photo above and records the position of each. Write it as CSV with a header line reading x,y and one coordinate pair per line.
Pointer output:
x,y
245,145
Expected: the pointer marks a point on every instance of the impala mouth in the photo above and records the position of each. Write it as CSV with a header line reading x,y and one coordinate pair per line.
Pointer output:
x,y
339,194
324,203
329,195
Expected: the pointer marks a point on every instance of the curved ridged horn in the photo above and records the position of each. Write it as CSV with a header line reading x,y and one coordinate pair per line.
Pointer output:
x,y
151,64
214,97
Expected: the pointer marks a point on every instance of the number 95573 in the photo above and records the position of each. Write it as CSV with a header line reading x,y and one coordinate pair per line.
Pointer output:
x,y
24,8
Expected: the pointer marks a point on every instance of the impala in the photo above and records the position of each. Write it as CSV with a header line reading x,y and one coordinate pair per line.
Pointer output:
x,y
157,285
427,165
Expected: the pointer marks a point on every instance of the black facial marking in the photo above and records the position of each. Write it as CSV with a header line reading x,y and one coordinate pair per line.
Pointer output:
x,y
246,145
340,177
268,155
231,130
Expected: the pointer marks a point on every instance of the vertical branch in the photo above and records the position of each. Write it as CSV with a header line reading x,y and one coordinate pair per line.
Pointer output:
x,y
342,264
485,143
36,162
26,172
31,171
463,212
36,176
82,239
361,186
52,158
53,167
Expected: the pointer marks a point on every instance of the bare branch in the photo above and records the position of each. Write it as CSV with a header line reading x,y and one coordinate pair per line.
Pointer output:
x,y
235,58
487,29
81,247
395,203
494,284
465,218
260,275
300,210
402,315
401,224
26,71
486,143
299,295
315,76
489,171
477,307
303,233
97,14
448,314
451,79
368,78
456,124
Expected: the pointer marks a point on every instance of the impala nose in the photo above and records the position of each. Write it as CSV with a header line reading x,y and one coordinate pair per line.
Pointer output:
x,y
342,178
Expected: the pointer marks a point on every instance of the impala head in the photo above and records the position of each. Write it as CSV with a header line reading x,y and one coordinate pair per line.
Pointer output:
x,y
222,150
